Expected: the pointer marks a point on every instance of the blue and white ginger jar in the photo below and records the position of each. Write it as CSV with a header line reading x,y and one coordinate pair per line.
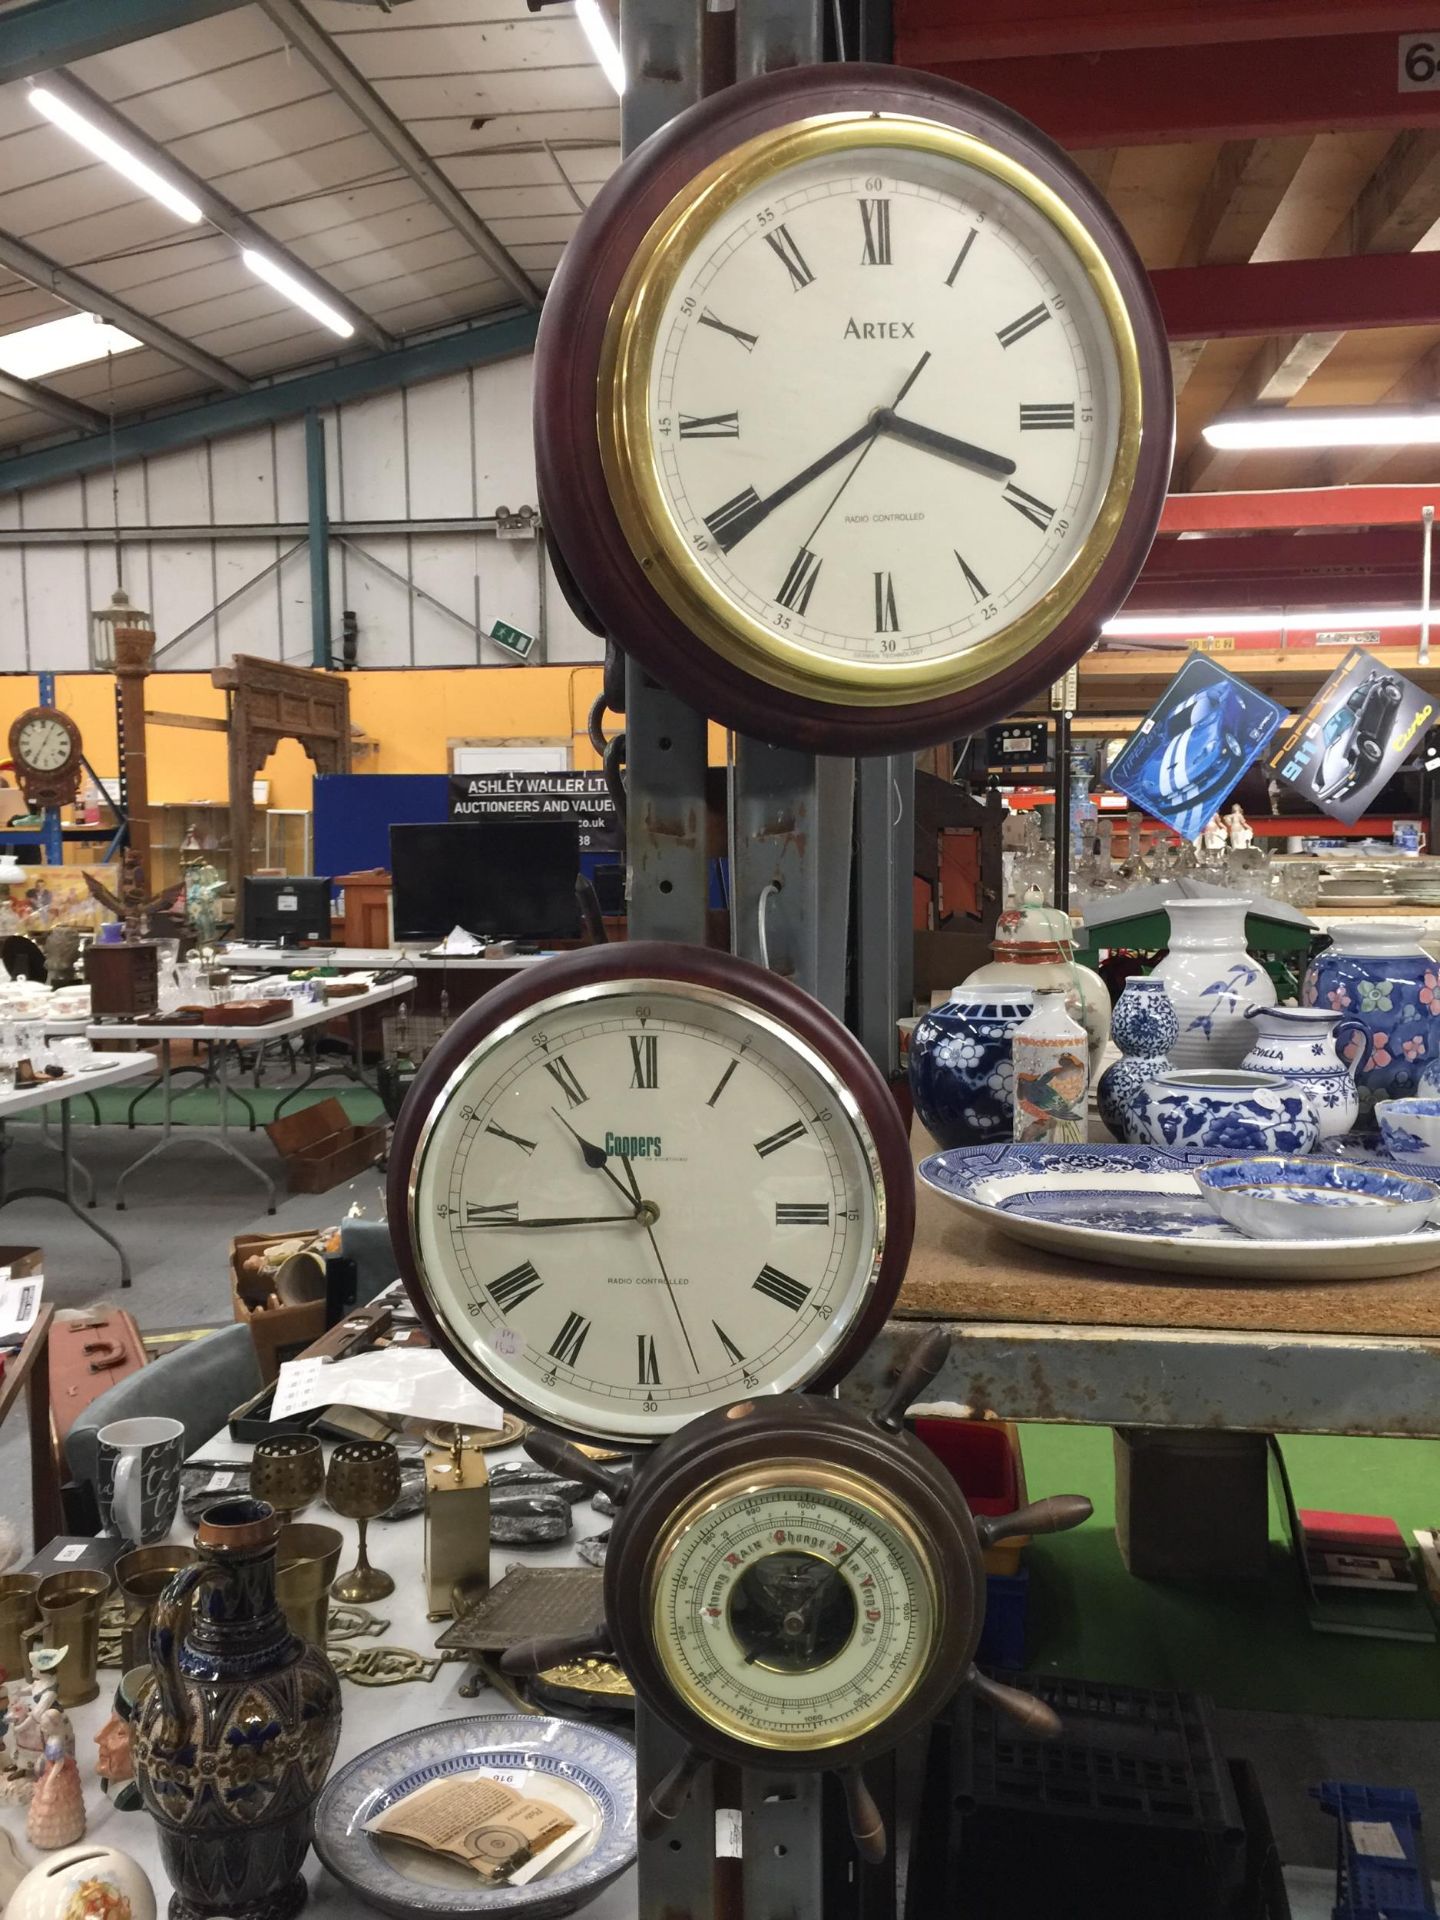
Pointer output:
x,y
1219,1111
1381,976
962,1077
1145,1026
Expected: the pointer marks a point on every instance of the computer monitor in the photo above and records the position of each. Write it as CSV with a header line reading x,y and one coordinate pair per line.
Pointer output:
x,y
283,912
498,879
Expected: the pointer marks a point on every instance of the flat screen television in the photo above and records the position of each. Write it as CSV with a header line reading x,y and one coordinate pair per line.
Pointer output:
x,y
284,912
498,879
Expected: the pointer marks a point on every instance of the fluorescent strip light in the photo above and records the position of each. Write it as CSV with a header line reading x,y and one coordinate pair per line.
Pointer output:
x,y
596,27
1159,625
31,352
296,292
113,154
1278,428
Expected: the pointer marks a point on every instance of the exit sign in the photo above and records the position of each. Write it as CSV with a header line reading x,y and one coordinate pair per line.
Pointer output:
x,y
512,639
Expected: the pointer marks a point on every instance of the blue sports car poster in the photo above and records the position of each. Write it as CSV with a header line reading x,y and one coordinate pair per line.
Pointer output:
x,y
1358,730
1188,753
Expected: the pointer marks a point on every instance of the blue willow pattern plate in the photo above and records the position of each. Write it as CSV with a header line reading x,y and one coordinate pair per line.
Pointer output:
x,y
560,1759
1140,1207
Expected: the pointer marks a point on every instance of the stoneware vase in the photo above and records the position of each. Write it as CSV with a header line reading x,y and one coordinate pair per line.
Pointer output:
x,y
1378,974
1145,1026
1034,947
233,1742
1213,982
1052,1073
1301,1045
1224,1110
962,1078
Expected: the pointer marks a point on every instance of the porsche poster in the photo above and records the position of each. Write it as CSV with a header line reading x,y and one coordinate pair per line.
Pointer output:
x,y
1188,753
1358,730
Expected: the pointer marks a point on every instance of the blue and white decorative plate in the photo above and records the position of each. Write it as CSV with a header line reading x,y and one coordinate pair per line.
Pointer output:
x,y
1140,1207
582,1770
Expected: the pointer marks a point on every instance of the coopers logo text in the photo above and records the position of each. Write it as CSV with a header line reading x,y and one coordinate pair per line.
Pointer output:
x,y
634,1146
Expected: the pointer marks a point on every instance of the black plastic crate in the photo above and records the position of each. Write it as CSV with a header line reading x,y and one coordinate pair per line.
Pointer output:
x,y
1130,1813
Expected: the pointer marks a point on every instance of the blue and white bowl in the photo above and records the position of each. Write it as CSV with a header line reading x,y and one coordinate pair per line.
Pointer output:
x,y
1280,1198
1410,1128
1223,1110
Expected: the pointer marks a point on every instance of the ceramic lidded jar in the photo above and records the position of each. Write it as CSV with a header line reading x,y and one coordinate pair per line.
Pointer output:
x,y
1034,947
962,1077
1379,975
233,1741
1224,1110
1301,1045
1146,1026
1213,982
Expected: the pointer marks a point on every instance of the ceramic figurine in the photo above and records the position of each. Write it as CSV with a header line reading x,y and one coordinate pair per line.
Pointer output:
x,y
1381,976
1213,982
1301,1045
1034,947
1145,1027
114,1762
56,1817
1052,1075
1220,1111
90,1882
1242,834
233,1741
961,1075
1215,837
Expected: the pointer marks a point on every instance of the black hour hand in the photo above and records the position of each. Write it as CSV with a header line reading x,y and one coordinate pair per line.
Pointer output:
x,y
891,422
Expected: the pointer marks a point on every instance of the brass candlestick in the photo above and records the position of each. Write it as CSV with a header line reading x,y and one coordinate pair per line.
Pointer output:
x,y
364,1479
287,1470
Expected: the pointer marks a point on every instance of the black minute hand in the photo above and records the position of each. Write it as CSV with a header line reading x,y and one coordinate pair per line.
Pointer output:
x,y
744,514
888,421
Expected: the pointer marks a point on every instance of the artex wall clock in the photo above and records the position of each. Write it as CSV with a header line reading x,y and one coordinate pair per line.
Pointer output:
x,y
853,409
45,746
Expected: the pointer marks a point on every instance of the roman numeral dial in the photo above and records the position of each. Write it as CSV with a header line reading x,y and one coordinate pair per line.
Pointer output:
x,y
639,1201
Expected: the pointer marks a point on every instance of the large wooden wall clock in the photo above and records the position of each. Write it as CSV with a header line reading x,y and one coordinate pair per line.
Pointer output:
x,y
853,409
642,1181
46,749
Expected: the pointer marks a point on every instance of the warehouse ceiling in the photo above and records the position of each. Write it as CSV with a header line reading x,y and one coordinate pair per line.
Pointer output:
x,y
511,105
429,160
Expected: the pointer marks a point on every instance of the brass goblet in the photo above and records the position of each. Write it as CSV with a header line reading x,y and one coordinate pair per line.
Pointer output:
x,y
288,1470
364,1479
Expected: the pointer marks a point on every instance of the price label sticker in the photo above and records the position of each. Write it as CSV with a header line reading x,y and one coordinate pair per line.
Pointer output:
x,y
508,1343
1376,1840
76,1551
1420,62
218,1482
727,1834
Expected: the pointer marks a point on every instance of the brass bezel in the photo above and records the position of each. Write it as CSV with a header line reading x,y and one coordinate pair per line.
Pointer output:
x,y
740,1484
627,449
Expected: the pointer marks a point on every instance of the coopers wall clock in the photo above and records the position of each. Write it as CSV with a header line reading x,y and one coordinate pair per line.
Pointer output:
x,y
646,1180
853,408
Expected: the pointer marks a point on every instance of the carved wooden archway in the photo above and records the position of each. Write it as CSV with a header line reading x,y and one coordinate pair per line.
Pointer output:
x,y
270,702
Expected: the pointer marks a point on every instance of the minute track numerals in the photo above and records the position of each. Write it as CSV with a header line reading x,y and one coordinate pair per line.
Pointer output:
x,y
820,505
625,1287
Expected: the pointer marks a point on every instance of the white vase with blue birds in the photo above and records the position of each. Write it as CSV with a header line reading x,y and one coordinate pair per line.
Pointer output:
x,y
1213,982
1145,1026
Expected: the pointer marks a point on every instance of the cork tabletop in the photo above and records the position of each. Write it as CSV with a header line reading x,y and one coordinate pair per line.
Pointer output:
x,y
962,1268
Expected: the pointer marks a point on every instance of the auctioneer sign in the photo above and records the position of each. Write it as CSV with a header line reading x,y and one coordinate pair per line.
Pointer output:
x,y
582,797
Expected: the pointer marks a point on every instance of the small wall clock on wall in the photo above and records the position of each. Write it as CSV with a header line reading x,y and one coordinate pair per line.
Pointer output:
x,y
853,408
45,746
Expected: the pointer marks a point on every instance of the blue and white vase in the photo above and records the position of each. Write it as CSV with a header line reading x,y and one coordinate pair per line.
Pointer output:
x,y
962,1077
1145,1027
1219,1110
1381,976
1301,1045
1213,981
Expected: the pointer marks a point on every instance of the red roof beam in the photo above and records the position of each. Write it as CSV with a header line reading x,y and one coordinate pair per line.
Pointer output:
x,y
1287,558
1338,83
945,30
1395,506
1342,295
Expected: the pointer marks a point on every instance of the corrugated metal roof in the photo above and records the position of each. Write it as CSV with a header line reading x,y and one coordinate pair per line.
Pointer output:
x,y
480,84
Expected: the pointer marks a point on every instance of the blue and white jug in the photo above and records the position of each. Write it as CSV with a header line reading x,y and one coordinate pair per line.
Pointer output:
x,y
1302,1045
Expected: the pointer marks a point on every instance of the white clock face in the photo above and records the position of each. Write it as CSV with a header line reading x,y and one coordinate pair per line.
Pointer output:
x,y
640,1201
884,403
44,745
793,1615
